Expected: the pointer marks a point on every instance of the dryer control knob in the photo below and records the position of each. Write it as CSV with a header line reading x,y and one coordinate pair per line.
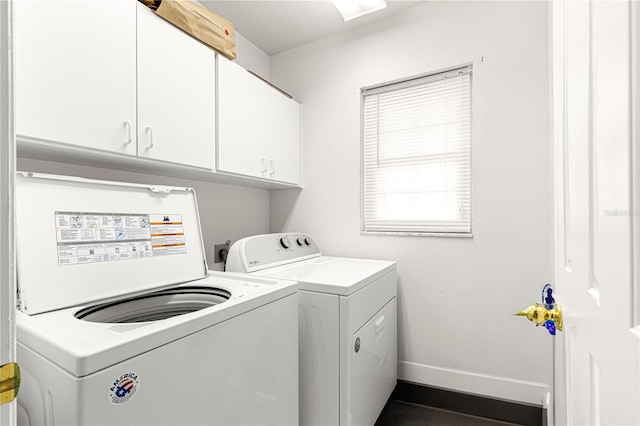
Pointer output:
x,y
306,241
285,243
300,241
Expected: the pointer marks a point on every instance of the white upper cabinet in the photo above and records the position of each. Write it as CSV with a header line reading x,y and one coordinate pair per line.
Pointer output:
x,y
75,73
109,83
258,127
76,84
176,94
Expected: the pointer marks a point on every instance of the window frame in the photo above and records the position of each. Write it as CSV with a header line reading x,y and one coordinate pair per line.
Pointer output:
x,y
399,84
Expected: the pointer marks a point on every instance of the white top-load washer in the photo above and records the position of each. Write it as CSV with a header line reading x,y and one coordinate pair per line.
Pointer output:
x,y
347,324
120,322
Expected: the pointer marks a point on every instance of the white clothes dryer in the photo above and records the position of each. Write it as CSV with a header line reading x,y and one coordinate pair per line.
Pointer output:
x,y
120,322
347,324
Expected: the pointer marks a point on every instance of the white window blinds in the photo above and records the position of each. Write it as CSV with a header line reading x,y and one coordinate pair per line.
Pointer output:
x,y
417,155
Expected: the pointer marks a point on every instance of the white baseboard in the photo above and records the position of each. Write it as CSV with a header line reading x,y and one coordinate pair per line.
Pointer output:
x,y
475,383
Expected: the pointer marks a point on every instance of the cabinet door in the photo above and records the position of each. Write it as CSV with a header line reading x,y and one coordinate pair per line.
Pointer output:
x,y
75,72
258,127
176,94
284,142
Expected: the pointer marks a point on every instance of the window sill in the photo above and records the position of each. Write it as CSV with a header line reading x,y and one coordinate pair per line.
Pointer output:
x,y
418,234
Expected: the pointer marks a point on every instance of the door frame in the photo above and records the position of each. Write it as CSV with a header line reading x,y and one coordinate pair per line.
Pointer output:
x,y
635,162
7,178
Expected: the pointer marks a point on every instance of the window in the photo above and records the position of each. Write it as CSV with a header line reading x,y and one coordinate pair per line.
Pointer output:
x,y
417,155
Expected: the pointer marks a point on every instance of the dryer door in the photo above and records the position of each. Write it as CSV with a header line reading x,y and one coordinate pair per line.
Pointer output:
x,y
374,365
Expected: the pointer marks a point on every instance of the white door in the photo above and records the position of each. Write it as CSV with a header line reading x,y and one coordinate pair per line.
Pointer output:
x,y
7,173
597,376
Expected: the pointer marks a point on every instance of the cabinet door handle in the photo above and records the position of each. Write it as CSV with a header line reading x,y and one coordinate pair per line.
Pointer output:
x,y
150,131
127,124
272,163
265,167
378,325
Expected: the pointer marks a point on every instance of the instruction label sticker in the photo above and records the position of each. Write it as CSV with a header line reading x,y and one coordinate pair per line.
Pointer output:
x,y
89,237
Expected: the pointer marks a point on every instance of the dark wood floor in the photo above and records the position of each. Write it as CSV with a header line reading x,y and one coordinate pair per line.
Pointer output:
x,y
400,413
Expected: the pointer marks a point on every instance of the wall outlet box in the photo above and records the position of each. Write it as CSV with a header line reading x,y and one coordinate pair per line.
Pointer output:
x,y
220,252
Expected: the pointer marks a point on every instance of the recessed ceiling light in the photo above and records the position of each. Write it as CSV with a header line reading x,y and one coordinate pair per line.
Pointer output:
x,y
351,9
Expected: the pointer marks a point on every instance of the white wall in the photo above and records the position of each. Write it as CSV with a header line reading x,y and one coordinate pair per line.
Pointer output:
x,y
456,296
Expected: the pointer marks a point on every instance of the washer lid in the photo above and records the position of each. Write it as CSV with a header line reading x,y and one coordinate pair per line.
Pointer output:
x,y
81,240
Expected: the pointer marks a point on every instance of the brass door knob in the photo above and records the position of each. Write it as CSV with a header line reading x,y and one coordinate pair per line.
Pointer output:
x,y
9,382
548,313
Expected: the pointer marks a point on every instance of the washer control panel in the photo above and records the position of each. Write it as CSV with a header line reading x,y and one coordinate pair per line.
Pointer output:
x,y
262,251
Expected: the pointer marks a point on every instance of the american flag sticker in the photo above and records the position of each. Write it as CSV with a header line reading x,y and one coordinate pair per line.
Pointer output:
x,y
123,388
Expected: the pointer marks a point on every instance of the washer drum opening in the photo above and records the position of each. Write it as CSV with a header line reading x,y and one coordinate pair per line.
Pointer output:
x,y
155,306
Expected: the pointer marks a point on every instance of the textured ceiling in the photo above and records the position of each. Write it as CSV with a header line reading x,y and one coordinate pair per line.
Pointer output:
x,y
276,26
